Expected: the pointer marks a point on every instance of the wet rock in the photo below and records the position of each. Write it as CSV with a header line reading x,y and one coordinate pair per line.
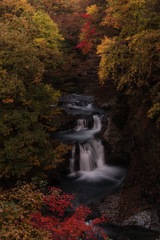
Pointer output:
x,y
147,219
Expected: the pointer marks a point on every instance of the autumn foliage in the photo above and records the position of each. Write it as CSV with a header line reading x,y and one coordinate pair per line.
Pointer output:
x,y
131,57
30,54
63,221
15,207
87,31
28,213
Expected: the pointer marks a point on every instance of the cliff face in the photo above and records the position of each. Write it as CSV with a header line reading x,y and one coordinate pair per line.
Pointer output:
x,y
142,186
134,141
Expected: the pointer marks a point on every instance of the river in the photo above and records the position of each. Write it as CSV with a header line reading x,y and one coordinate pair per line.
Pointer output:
x,y
91,177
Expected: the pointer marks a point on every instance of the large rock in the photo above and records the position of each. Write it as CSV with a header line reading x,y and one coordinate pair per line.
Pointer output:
x,y
146,218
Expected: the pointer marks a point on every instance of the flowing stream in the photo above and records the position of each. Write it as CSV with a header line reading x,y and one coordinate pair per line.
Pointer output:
x,y
91,177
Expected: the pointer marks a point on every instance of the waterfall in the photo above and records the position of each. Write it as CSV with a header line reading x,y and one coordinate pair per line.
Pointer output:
x,y
86,158
72,160
99,155
93,122
97,123
91,156
90,175
81,124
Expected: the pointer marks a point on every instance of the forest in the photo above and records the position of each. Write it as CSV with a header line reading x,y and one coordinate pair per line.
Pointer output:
x,y
45,48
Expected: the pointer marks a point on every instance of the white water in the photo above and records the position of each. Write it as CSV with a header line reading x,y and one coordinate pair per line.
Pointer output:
x,y
81,124
81,131
90,156
111,173
84,108
88,161
92,166
97,123
91,153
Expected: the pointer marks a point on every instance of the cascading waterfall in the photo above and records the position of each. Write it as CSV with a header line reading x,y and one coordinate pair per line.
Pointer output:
x,y
91,156
91,153
87,162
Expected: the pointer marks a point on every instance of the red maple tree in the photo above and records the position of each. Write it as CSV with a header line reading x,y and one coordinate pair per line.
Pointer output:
x,y
63,221
87,31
